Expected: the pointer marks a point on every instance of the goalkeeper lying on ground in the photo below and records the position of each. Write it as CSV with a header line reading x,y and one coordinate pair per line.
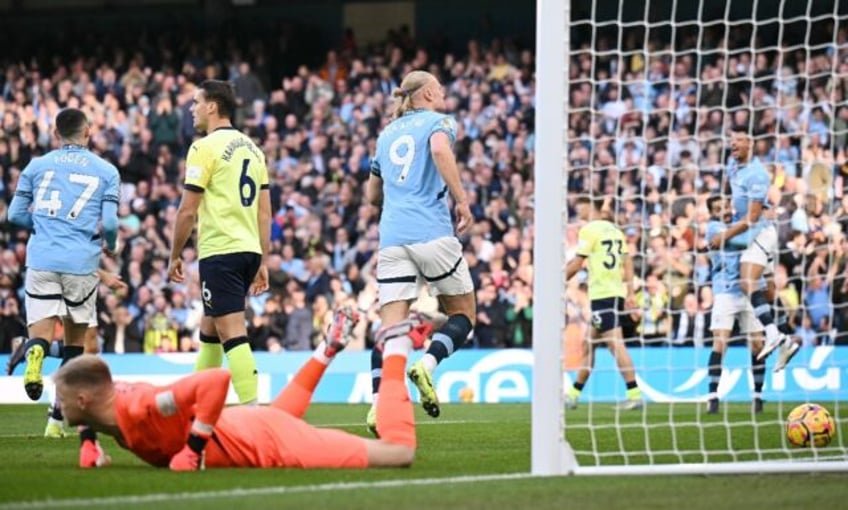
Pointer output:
x,y
185,425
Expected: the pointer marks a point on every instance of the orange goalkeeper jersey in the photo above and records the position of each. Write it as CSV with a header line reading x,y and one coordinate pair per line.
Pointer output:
x,y
155,422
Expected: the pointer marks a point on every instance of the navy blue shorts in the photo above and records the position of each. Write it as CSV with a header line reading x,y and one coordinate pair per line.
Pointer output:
x,y
607,313
225,280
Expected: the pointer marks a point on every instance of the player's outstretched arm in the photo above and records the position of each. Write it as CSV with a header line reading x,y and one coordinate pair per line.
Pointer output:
x,y
442,151
206,393
755,210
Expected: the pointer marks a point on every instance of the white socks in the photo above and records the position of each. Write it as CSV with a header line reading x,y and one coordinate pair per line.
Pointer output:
x,y
401,345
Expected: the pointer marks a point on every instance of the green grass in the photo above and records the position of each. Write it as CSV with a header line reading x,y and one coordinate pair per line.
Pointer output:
x,y
467,440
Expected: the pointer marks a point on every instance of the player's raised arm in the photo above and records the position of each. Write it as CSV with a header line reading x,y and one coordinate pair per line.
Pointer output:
x,y
19,209
755,210
206,393
441,148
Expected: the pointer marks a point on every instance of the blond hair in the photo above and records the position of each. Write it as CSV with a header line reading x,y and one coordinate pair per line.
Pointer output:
x,y
411,84
87,370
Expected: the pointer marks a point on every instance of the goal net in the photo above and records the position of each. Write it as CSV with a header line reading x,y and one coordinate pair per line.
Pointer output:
x,y
636,104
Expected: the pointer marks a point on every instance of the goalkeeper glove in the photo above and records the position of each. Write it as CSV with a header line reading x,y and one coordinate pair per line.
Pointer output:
x,y
191,457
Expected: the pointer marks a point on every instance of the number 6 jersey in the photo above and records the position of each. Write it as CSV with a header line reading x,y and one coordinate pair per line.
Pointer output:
x,y
228,168
415,207
604,245
67,189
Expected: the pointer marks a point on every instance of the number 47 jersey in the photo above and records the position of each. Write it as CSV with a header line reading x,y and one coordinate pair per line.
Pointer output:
x,y
67,188
228,168
415,207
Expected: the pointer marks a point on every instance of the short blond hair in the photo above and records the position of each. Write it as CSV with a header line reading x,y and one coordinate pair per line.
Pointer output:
x,y
87,370
411,84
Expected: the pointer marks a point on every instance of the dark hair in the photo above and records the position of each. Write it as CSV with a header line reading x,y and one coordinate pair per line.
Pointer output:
x,y
597,203
70,122
712,200
222,94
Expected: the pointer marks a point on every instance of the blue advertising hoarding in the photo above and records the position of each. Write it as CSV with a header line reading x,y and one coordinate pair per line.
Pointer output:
x,y
491,376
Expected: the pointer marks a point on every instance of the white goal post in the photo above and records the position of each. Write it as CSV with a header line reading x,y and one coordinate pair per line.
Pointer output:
x,y
551,453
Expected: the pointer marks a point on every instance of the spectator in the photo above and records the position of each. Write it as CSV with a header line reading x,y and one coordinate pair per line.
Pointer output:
x,y
690,325
490,329
519,316
299,327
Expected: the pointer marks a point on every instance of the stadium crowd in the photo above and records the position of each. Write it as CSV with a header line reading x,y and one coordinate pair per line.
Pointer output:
x,y
653,131
648,129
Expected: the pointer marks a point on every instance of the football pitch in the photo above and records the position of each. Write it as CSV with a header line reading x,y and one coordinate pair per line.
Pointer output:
x,y
474,456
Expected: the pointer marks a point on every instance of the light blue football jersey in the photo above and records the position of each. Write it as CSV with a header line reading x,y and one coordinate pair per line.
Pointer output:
x,y
749,183
66,190
724,263
415,197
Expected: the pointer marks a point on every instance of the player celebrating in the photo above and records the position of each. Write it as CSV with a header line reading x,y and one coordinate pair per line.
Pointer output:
x,y
226,189
185,425
603,246
730,305
73,195
411,174
749,183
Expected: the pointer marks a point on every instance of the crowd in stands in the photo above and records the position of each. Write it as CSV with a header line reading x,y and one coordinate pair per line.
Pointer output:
x,y
649,129
318,129
652,130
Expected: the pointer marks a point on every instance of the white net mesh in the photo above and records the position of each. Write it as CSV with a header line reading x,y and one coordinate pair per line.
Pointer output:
x,y
655,89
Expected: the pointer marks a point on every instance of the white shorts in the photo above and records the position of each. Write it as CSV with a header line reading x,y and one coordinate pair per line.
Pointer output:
x,y
763,250
730,307
50,294
402,270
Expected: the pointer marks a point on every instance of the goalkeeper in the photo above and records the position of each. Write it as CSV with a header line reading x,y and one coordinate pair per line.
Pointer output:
x,y
186,427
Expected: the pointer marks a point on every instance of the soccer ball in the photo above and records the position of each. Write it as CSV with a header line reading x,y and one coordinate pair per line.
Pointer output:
x,y
810,425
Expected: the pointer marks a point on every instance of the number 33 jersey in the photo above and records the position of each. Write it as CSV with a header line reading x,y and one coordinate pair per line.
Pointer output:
x,y
603,245
228,168
68,188
415,206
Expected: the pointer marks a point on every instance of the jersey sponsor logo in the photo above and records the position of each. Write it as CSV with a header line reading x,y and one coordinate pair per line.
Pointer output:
x,y
194,172
166,403
758,188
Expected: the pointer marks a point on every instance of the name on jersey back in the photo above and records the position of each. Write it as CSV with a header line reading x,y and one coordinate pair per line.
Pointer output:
x,y
235,144
70,158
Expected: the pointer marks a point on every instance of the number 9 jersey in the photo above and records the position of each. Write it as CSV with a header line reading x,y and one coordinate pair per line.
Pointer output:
x,y
603,245
415,207
228,168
